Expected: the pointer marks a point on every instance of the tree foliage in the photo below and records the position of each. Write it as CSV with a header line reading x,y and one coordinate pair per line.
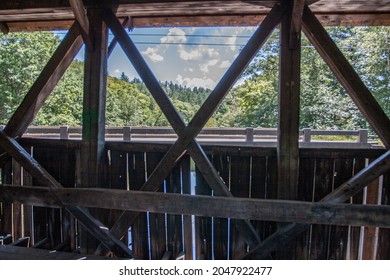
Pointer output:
x,y
252,103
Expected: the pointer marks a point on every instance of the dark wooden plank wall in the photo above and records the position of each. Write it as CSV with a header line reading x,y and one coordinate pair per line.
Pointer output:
x,y
153,235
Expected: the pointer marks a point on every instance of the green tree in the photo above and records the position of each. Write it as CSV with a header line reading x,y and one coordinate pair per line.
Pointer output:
x,y
22,57
64,106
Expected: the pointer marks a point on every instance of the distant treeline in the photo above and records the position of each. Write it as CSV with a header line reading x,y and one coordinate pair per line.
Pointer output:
x,y
253,103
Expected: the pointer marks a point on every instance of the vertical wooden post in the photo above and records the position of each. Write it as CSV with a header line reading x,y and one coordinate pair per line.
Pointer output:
x,y
363,136
249,134
127,133
64,132
288,127
307,135
92,152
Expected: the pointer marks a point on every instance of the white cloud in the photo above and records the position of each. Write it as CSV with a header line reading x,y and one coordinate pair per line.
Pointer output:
x,y
232,41
212,53
225,64
198,53
117,71
176,35
196,82
191,55
205,66
153,55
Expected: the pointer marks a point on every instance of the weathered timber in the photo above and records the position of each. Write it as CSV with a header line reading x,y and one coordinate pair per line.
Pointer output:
x,y
17,207
139,228
80,15
347,76
203,225
94,103
341,194
240,187
92,159
210,149
187,220
20,253
165,104
205,206
54,15
157,221
288,116
114,42
4,27
296,24
87,220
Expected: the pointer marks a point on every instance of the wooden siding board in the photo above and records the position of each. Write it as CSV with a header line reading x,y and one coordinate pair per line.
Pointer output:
x,y
383,252
203,226
343,171
140,226
259,189
6,222
354,239
221,226
239,187
174,222
322,186
156,221
305,193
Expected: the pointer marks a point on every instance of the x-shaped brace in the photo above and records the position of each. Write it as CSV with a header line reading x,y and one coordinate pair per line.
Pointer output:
x,y
186,134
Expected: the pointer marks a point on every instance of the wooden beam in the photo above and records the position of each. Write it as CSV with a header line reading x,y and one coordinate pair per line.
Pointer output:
x,y
20,253
296,23
80,13
114,42
45,83
94,103
92,155
328,213
341,194
4,27
347,76
289,99
97,229
175,119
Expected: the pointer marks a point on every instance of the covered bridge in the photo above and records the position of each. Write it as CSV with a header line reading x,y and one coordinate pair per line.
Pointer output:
x,y
134,200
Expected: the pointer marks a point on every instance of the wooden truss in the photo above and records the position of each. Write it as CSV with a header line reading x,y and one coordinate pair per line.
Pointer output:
x,y
91,27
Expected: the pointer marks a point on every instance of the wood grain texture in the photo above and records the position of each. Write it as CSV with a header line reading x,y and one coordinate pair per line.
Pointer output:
x,y
206,206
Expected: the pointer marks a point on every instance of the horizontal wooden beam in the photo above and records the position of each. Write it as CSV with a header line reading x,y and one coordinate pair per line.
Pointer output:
x,y
230,150
20,253
341,214
380,19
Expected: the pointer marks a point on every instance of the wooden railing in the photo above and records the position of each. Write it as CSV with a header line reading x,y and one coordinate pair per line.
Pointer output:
x,y
246,135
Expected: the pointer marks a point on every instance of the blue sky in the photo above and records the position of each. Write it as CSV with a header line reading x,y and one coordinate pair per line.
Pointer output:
x,y
187,56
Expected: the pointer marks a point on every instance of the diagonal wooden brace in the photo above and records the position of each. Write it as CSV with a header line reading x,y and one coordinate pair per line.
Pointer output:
x,y
95,227
187,134
80,15
347,76
341,194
